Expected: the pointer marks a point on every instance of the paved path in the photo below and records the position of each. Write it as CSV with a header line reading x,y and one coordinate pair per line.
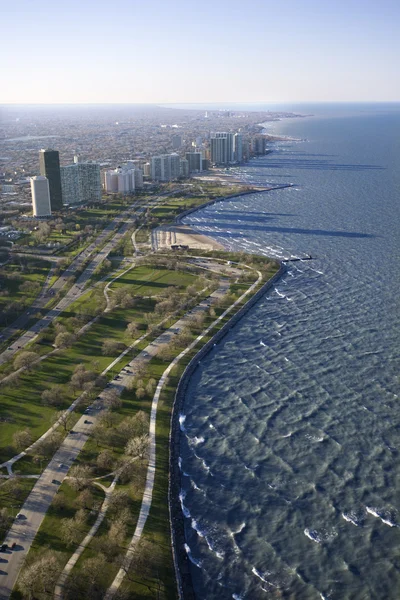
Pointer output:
x,y
58,592
23,531
151,470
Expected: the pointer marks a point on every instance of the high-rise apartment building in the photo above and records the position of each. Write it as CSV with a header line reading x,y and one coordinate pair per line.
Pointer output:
x,y
184,167
49,161
81,183
238,147
165,167
121,180
259,144
40,196
222,148
195,160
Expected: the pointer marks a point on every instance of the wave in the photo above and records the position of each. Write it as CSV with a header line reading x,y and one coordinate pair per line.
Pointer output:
x,y
197,440
193,560
262,577
186,511
182,419
312,535
279,293
262,343
374,512
351,518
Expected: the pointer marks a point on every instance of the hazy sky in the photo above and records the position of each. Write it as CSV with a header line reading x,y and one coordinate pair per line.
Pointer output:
x,y
163,51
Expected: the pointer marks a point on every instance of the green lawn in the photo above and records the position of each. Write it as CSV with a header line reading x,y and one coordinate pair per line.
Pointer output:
x,y
13,300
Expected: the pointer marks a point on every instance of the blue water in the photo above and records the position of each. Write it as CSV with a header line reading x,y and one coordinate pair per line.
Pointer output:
x,y
291,427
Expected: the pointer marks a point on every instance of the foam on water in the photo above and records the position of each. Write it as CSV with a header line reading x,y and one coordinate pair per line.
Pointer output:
x,y
316,408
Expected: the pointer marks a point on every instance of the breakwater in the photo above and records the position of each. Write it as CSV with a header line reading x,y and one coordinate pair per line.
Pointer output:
x,y
180,556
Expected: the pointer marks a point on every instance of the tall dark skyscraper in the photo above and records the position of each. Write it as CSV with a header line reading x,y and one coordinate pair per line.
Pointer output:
x,y
50,168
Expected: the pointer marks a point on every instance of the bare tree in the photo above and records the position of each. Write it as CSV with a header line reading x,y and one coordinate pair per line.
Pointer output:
x,y
22,439
64,419
138,446
25,360
40,576
112,400
80,476
54,396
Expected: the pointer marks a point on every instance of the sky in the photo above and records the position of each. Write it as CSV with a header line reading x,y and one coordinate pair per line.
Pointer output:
x,y
181,51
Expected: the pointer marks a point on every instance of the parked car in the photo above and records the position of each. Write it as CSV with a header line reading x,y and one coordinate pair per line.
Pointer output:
x,y
3,547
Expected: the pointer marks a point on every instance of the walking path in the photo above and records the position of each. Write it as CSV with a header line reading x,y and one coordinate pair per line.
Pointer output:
x,y
151,470
24,530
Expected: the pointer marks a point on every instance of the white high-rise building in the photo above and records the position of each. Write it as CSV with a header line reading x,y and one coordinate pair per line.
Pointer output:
x,y
80,183
121,180
111,181
40,196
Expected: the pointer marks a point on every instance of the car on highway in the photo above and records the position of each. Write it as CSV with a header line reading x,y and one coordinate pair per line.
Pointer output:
x,y
20,516
61,465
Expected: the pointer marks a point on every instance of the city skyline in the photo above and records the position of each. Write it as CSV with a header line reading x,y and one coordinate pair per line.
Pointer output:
x,y
144,53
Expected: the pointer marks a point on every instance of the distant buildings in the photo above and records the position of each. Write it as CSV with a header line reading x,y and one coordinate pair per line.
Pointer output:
x,y
80,183
166,167
40,196
50,167
176,141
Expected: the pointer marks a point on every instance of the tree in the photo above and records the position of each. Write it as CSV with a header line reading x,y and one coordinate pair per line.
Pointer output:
x,y
80,477
64,339
48,446
140,393
25,360
119,500
138,446
64,418
85,499
54,396
112,400
132,329
147,563
105,460
112,348
22,439
40,576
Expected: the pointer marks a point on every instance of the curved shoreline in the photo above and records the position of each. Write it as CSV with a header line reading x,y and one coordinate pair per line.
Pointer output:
x,y
177,521
187,212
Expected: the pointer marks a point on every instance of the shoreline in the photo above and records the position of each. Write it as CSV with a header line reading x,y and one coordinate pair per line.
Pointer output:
x,y
180,554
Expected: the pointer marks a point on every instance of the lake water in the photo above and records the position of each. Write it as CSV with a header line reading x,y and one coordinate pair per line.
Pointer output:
x,y
291,426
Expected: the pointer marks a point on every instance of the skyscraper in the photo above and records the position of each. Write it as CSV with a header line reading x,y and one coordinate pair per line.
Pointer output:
x,y
40,196
195,160
165,167
50,167
238,139
81,183
222,148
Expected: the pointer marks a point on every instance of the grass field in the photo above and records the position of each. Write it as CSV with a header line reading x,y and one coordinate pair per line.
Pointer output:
x,y
21,401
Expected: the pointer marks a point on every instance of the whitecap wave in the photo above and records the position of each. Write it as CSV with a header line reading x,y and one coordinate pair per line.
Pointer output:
x,y
182,419
193,560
